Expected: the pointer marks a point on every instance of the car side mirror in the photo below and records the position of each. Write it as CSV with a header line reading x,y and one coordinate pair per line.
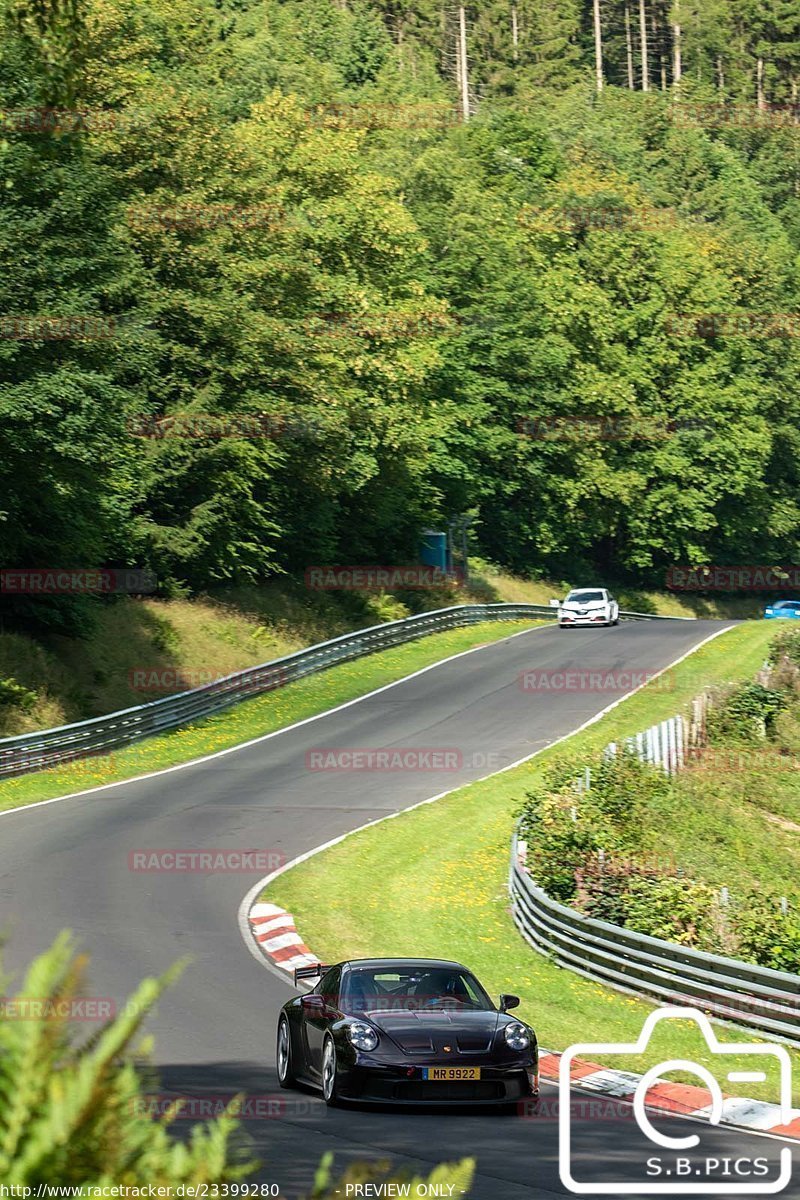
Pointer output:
x,y
555,603
313,1000
508,1001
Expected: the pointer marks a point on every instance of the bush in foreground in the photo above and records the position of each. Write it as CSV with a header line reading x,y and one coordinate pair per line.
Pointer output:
x,y
74,1114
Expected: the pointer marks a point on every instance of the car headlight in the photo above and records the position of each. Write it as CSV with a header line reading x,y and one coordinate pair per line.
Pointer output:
x,y
362,1036
517,1036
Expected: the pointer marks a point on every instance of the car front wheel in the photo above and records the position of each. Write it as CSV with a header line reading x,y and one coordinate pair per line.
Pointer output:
x,y
329,1093
286,1076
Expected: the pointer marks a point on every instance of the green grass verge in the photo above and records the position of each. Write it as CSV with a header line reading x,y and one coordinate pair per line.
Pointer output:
x,y
433,882
734,821
252,718
72,678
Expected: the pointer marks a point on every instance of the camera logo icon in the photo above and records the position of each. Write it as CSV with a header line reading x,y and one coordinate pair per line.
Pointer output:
x,y
673,1172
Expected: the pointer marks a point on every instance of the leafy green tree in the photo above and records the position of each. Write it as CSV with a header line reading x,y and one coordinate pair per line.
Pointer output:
x,y
409,304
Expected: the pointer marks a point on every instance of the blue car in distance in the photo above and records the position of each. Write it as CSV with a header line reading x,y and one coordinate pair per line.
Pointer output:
x,y
782,608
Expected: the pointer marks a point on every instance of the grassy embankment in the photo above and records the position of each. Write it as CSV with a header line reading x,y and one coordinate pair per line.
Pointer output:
x,y
253,718
70,679
452,858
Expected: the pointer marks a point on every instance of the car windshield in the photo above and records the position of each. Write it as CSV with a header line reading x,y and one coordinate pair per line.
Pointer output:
x,y
412,989
585,597
794,605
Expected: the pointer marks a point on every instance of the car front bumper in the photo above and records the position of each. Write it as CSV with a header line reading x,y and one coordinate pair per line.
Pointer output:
x,y
394,1083
589,619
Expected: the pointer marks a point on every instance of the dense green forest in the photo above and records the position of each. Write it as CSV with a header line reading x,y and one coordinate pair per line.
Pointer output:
x,y
287,281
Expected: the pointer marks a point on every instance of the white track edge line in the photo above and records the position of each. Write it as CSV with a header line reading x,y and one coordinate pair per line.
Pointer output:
x,y
263,737
248,901
253,893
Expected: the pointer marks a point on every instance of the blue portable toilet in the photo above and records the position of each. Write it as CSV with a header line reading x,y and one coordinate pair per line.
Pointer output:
x,y
433,549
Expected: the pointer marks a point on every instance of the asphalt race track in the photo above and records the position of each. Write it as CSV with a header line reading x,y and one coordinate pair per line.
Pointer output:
x,y
66,865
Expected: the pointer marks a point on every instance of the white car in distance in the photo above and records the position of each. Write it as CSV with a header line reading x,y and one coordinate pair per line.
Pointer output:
x,y
587,606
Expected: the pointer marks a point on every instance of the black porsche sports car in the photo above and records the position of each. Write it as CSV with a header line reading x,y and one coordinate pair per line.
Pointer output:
x,y
405,1031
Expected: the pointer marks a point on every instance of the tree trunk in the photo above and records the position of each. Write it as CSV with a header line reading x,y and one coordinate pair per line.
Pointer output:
x,y
676,45
629,46
443,43
760,83
643,36
598,47
458,65
514,31
720,75
662,66
462,42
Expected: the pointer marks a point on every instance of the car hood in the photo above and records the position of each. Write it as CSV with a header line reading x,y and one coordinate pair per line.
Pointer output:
x,y
584,605
419,1032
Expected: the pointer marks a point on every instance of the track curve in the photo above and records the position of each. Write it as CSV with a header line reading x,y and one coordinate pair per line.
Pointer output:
x,y
66,865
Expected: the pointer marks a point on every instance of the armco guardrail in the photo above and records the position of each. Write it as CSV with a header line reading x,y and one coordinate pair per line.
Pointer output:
x,y
33,751
47,748
763,1000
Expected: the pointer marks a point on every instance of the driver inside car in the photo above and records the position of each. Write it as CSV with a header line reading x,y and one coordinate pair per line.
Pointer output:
x,y
440,987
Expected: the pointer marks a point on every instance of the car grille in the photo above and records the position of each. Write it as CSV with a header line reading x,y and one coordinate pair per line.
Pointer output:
x,y
414,1043
473,1044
